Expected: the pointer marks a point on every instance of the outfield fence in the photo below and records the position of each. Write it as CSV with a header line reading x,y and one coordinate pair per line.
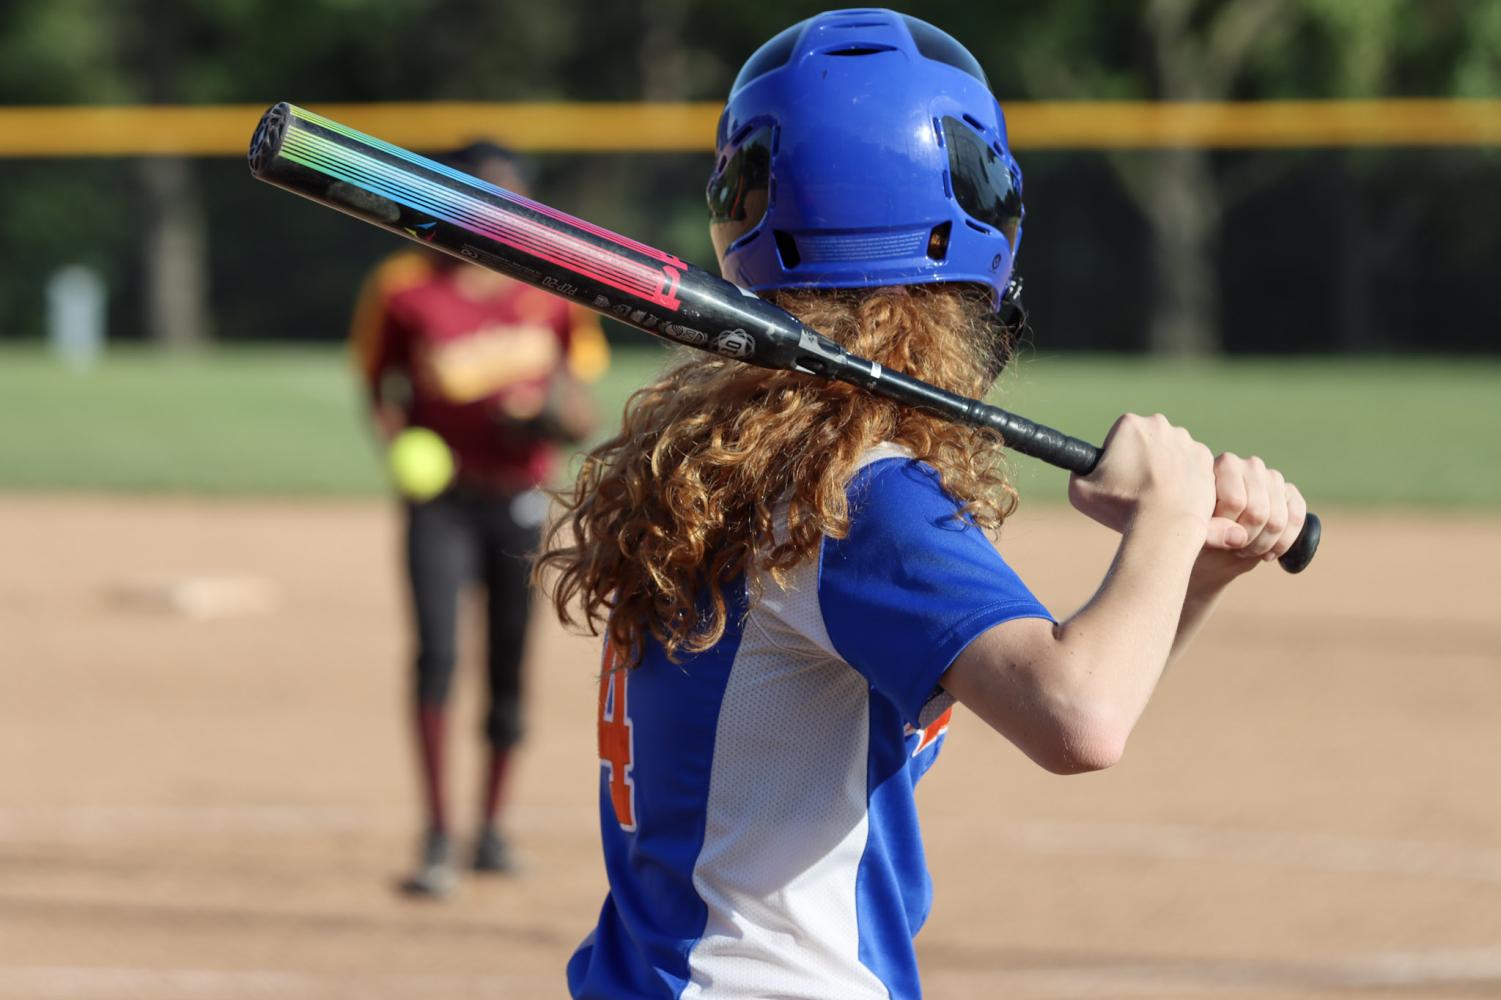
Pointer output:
x,y
224,129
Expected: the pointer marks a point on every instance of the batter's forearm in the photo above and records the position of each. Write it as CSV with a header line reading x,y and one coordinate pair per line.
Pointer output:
x,y
1198,605
1121,640
1212,574
1069,695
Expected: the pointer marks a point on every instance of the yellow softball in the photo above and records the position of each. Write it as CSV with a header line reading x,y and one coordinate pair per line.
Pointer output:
x,y
420,463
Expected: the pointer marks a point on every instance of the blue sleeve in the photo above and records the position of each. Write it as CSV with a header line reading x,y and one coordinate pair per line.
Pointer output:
x,y
912,584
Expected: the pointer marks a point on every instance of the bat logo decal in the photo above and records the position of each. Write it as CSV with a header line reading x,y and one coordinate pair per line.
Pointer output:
x,y
734,344
686,334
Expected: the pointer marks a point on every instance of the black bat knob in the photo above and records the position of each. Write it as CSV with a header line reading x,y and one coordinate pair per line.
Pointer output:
x,y
1297,558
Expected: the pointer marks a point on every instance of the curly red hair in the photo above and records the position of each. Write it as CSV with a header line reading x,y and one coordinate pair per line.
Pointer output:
x,y
684,499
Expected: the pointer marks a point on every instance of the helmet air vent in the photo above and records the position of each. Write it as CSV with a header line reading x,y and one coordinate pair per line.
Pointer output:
x,y
938,241
981,180
740,190
859,49
940,46
773,55
787,249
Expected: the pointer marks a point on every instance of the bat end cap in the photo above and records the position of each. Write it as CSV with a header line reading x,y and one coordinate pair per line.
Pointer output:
x,y
1301,554
266,142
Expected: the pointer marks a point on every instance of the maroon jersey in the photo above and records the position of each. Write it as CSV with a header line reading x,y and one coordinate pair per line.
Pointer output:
x,y
478,351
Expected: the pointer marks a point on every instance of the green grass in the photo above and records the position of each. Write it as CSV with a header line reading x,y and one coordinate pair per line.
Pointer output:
x,y
288,421
261,420
1370,431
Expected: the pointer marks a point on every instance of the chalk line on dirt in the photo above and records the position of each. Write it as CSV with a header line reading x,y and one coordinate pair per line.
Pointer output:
x,y
1393,970
1317,851
1382,971
118,823
114,983
1158,842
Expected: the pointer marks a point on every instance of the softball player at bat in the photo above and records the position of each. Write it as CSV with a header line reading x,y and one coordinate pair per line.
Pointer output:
x,y
795,579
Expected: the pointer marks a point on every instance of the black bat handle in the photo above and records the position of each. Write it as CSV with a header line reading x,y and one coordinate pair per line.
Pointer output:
x,y
1039,441
1020,434
1081,457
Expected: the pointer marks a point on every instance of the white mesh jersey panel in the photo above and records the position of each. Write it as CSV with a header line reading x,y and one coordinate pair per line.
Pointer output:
x,y
787,814
785,830
791,615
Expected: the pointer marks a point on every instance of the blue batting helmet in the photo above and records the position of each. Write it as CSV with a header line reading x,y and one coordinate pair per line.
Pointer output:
x,y
862,148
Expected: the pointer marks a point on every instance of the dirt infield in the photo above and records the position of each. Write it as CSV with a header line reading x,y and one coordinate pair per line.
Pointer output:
x,y
205,791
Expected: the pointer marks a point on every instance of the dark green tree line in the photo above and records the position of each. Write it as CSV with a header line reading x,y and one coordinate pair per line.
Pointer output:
x,y
176,238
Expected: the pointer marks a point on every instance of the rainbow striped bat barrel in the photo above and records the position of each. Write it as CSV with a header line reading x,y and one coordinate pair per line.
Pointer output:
x,y
426,201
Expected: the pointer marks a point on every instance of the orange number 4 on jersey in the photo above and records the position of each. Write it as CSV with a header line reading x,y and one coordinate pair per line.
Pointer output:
x,y
616,745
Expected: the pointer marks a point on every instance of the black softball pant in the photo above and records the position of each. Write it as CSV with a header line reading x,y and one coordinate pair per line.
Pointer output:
x,y
455,539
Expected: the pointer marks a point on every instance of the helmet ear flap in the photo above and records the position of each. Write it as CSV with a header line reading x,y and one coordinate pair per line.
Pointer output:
x,y
1004,329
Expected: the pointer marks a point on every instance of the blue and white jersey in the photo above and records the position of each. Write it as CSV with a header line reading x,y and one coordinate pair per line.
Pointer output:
x,y
759,828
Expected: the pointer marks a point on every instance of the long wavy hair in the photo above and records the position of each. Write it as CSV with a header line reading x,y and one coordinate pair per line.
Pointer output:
x,y
667,513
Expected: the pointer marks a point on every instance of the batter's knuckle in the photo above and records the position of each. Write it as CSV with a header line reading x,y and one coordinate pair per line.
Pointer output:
x,y
1297,515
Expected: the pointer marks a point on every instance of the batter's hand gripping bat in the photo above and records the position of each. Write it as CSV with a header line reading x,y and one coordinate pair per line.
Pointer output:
x,y
653,291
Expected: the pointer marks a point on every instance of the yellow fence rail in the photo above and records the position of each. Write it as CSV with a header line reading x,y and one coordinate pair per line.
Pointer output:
x,y
224,130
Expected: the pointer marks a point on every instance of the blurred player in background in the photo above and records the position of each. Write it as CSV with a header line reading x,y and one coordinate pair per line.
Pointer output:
x,y
496,370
